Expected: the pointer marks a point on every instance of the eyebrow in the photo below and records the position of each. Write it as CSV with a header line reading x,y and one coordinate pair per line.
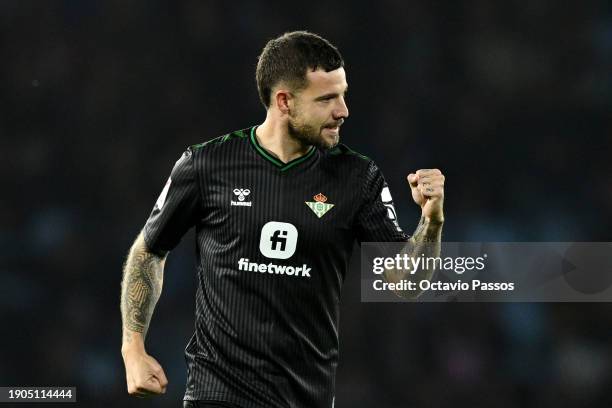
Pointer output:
x,y
331,95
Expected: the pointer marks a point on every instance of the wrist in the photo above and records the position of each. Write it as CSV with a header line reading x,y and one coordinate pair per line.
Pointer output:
x,y
132,350
433,221
133,342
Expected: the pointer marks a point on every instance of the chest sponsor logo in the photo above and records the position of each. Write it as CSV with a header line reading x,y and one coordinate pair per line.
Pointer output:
x,y
278,240
319,206
240,195
299,271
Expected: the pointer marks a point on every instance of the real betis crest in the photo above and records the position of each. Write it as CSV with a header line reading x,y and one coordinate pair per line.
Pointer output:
x,y
319,205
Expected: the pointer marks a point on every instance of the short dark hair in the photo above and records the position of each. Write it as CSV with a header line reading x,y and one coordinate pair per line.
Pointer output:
x,y
288,58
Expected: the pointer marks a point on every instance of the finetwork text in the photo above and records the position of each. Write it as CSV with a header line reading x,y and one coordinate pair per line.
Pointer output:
x,y
302,271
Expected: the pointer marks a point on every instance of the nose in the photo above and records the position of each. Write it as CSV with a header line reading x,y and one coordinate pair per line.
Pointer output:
x,y
341,111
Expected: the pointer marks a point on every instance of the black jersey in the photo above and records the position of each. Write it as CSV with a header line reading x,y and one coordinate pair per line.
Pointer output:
x,y
273,245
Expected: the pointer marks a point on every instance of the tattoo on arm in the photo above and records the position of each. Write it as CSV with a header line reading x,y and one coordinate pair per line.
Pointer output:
x,y
426,241
140,288
426,232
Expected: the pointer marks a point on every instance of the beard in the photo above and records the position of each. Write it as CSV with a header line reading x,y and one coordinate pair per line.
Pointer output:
x,y
309,135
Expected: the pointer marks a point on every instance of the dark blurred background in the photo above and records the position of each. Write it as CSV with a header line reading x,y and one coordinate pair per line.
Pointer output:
x,y
510,99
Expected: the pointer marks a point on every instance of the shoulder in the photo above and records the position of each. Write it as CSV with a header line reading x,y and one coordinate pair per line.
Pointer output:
x,y
347,165
354,165
341,154
342,150
228,141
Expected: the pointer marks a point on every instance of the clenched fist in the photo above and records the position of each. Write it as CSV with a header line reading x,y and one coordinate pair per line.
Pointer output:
x,y
145,376
427,187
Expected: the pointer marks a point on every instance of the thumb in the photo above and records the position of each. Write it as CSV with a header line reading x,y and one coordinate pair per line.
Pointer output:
x,y
412,180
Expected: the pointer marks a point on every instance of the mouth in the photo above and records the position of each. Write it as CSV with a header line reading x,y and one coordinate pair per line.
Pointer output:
x,y
334,127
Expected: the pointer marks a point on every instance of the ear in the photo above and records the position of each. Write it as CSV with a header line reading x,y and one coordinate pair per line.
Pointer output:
x,y
283,100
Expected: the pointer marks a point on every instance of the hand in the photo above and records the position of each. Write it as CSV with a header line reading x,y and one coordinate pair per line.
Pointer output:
x,y
427,187
145,376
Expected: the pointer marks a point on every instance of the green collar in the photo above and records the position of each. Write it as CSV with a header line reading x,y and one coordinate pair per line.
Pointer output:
x,y
281,166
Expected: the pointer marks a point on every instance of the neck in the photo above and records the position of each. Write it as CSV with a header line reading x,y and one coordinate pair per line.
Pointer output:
x,y
273,136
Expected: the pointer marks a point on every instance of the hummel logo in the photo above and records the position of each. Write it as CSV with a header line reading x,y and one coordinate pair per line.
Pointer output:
x,y
241,193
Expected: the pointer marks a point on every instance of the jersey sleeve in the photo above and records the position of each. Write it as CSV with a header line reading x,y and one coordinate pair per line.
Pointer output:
x,y
376,218
176,209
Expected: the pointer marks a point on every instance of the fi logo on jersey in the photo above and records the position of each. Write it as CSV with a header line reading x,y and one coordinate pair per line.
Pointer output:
x,y
278,240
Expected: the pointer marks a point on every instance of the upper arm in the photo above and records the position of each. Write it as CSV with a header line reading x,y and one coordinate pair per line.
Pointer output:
x,y
376,218
176,209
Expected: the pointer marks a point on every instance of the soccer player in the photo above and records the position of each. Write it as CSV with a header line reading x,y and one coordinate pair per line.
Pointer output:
x,y
277,208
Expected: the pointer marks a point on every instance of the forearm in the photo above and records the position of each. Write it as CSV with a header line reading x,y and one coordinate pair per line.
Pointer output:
x,y
425,242
140,289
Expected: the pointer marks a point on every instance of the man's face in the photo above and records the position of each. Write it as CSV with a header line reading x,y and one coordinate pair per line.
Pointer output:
x,y
319,110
